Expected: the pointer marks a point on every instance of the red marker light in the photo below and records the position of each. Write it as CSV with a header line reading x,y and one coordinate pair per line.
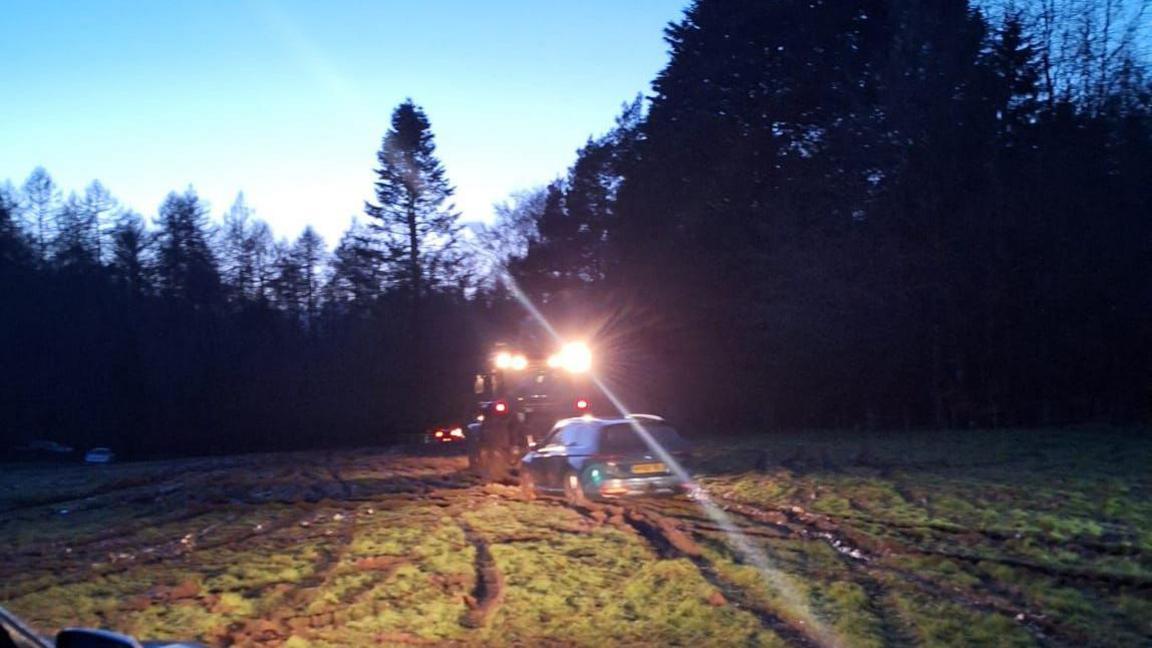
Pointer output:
x,y
582,404
500,407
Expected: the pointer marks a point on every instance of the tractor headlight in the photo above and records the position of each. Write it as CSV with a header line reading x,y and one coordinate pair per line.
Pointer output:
x,y
515,362
575,357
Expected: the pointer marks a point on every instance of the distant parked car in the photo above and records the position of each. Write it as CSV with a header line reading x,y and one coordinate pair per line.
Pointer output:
x,y
598,458
100,456
46,446
41,450
448,434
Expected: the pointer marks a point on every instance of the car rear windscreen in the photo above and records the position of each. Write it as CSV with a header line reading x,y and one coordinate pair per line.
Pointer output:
x,y
623,439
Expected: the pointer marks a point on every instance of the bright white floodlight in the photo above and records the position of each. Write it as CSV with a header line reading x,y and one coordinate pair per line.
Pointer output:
x,y
503,360
574,356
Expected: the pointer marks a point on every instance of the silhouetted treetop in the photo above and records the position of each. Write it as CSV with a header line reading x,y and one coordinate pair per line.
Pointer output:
x,y
412,214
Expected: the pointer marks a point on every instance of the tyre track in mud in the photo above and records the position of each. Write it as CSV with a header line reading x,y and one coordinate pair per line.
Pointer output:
x,y
99,545
860,564
409,488
663,524
85,567
803,524
910,533
112,552
278,624
334,472
488,593
892,626
483,602
662,534
111,538
1000,602
1142,584
142,482
1043,629
292,616
310,495
297,623
669,542
201,489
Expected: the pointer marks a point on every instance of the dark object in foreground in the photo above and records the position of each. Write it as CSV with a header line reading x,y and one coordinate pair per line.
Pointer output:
x,y
15,634
597,458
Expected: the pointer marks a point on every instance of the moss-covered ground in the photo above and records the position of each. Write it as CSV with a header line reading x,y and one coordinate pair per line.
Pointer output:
x,y
851,539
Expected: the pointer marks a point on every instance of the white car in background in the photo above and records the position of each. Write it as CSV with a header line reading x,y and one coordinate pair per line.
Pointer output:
x,y
99,456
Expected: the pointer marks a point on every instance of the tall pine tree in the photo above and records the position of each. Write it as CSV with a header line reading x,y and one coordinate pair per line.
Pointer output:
x,y
412,213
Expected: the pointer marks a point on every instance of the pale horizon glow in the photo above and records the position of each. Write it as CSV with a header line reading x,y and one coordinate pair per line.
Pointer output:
x,y
286,101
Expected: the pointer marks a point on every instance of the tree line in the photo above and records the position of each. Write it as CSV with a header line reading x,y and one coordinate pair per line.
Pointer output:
x,y
875,213
868,213
188,333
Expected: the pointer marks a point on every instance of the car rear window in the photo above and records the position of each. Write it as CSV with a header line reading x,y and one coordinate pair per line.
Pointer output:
x,y
622,438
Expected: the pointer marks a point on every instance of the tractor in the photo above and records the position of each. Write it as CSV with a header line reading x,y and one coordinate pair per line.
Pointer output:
x,y
521,395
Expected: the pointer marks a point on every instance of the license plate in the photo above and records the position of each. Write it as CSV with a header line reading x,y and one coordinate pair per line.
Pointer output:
x,y
648,468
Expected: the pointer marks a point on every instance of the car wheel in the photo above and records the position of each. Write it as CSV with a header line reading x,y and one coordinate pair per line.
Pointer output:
x,y
486,464
527,485
498,466
574,489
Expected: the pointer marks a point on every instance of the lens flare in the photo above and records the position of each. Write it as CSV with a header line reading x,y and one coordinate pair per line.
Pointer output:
x,y
772,576
575,357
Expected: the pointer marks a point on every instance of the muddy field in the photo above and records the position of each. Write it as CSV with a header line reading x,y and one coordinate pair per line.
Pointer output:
x,y
1022,538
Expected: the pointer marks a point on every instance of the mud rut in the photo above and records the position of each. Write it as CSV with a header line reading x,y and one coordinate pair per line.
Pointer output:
x,y
325,503
677,528
863,558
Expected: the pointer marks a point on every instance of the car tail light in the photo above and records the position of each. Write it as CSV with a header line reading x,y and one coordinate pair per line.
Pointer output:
x,y
582,404
500,407
439,433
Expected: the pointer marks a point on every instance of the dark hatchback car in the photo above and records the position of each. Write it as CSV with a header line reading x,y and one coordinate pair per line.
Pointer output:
x,y
595,458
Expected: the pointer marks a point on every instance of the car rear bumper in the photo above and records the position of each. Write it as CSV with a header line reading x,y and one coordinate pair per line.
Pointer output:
x,y
641,486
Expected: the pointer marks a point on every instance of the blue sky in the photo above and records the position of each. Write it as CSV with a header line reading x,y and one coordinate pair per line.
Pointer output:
x,y
287,101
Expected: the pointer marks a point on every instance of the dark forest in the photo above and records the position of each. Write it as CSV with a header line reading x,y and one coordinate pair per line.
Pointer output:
x,y
866,214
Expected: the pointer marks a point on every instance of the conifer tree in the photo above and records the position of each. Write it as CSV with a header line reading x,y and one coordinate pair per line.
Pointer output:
x,y
131,243
355,276
412,214
75,244
42,199
186,266
14,248
309,253
98,205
